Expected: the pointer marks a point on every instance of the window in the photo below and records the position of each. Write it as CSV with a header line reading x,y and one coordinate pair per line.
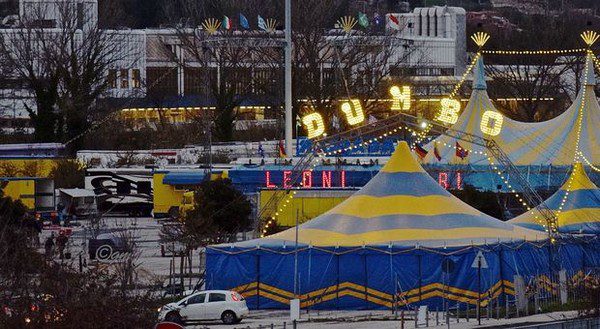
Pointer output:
x,y
198,299
136,78
161,81
80,15
112,78
215,297
124,79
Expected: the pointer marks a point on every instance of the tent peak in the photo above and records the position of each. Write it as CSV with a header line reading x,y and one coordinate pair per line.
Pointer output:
x,y
590,78
402,160
479,75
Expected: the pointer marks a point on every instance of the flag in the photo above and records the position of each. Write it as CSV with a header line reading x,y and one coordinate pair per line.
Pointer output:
x,y
377,19
226,23
261,151
363,20
335,122
394,22
244,22
437,153
281,148
461,152
421,152
262,24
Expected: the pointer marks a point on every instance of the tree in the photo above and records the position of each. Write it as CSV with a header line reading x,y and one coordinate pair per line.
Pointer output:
x,y
63,62
219,212
68,173
328,65
229,67
100,297
530,78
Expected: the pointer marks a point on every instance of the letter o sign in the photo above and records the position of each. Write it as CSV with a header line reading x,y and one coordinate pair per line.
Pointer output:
x,y
491,123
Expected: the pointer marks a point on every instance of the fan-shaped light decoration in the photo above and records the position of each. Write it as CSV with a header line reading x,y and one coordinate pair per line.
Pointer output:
x,y
480,38
271,24
589,37
211,25
347,23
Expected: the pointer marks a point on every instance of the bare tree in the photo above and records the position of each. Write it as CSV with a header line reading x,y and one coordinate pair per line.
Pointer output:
x,y
62,56
530,81
529,78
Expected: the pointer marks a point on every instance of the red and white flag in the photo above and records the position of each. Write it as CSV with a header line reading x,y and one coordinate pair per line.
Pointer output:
x,y
394,22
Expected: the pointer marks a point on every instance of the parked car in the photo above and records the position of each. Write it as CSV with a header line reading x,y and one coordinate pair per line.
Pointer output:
x,y
106,246
228,306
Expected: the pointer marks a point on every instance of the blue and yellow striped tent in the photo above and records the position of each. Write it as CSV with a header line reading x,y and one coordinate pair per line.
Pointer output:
x,y
550,142
401,241
401,205
576,204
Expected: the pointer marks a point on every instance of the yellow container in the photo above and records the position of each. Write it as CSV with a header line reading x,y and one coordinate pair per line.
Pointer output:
x,y
306,203
22,189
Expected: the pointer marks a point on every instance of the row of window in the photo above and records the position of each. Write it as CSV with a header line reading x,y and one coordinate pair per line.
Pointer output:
x,y
120,79
199,299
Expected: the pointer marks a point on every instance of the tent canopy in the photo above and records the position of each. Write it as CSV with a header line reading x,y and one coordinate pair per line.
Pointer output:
x,y
526,143
581,209
402,206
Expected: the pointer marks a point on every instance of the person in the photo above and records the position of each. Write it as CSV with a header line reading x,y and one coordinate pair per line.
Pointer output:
x,y
49,246
60,209
61,243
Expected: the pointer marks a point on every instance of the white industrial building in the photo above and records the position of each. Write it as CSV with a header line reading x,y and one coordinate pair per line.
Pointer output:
x,y
146,56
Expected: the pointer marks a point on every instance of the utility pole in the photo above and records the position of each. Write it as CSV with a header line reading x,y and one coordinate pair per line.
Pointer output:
x,y
288,79
296,258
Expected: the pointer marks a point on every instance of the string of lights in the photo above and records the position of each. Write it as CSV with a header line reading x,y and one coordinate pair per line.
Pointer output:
x,y
588,162
577,137
596,62
534,52
464,76
544,224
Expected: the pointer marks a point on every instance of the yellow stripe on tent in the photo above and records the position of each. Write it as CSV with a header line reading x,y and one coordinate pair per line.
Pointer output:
x,y
366,206
578,216
377,297
320,238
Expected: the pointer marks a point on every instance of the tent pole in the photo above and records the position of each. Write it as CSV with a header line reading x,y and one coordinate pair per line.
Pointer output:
x,y
296,259
420,279
257,280
366,282
337,288
500,262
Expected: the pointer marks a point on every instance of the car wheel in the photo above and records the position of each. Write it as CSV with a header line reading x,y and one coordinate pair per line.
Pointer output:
x,y
228,317
174,317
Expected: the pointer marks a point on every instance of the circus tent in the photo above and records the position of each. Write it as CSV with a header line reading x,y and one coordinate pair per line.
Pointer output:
x,y
400,240
551,142
405,207
576,204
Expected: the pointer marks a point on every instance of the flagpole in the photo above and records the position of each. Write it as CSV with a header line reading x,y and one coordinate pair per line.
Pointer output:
x,y
288,78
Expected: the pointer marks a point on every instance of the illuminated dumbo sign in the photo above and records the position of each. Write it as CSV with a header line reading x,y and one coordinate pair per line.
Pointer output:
x,y
491,121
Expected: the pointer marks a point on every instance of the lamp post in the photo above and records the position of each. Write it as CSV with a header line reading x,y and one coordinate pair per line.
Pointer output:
x,y
288,78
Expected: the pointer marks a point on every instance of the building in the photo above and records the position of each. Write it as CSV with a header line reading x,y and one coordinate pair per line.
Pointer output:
x,y
159,79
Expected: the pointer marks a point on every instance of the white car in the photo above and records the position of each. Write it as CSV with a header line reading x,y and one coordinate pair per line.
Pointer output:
x,y
229,306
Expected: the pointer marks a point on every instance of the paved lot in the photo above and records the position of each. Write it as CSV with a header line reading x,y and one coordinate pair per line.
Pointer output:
x,y
153,267
359,320
146,234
